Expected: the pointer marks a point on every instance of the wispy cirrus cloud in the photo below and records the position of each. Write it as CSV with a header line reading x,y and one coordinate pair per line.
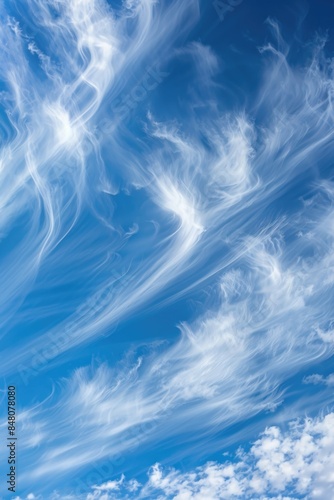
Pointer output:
x,y
227,366
204,188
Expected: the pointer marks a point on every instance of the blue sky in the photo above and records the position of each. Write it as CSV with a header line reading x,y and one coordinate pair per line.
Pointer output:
x,y
167,260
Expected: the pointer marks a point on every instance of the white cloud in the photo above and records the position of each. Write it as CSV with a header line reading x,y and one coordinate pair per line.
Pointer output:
x,y
110,485
317,379
281,465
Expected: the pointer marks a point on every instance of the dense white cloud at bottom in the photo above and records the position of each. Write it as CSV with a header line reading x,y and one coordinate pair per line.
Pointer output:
x,y
295,463
282,464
